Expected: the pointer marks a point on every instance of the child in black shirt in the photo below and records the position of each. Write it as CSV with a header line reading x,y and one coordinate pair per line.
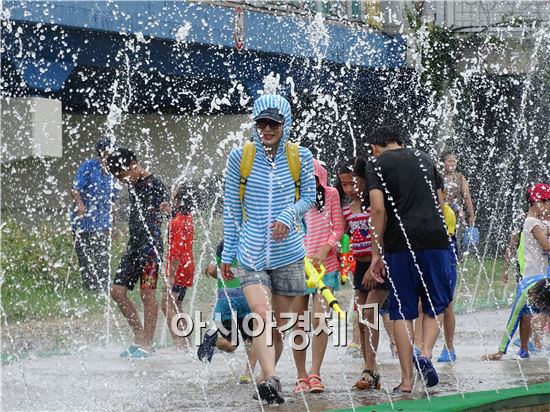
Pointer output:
x,y
149,200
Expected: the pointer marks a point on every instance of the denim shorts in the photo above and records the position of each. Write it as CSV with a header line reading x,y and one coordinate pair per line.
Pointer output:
x,y
331,279
288,280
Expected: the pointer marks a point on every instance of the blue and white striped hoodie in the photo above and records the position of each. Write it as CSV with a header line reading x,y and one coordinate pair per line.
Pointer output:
x,y
269,196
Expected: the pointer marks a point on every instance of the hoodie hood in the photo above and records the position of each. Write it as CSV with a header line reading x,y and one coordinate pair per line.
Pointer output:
x,y
273,101
320,172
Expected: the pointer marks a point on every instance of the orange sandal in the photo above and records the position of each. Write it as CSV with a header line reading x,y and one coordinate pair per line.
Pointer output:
x,y
302,386
315,384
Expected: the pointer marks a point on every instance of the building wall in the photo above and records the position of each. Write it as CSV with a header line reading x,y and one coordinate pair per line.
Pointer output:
x,y
194,147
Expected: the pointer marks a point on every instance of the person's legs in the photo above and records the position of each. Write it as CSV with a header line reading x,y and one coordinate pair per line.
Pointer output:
x,y
259,300
538,322
85,261
372,335
171,305
150,312
361,299
418,328
524,332
251,358
102,257
430,332
403,333
320,340
449,324
388,326
281,305
299,306
120,296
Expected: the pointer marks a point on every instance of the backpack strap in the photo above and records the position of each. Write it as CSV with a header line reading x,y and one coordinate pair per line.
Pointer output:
x,y
247,161
293,158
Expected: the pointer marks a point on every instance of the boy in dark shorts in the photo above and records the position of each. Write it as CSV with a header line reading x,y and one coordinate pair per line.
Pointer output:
x,y
140,262
405,188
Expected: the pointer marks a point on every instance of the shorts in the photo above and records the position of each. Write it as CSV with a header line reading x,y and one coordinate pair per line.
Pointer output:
x,y
225,309
384,309
180,291
405,283
360,270
227,333
135,266
331,279
288,280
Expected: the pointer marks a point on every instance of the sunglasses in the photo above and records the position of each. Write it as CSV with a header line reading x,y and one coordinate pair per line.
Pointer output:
x,y
263,123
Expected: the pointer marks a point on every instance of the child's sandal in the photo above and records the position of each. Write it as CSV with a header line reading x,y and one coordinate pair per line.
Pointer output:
x,y
315,384
302,386
371,381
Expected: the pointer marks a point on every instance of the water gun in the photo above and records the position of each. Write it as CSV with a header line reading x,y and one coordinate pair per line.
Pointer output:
x,y
347,261
314,279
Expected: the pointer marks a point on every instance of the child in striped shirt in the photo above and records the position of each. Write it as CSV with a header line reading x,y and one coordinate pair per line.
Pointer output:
x,y
351,184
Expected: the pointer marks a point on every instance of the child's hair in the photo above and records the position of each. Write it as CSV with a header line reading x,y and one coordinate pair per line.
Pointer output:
x,y
120,160
384,135
540,294
183,200
356,166
343,168
446,154
320,197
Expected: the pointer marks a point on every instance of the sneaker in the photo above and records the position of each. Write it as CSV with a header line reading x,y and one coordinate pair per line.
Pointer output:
x,y
523,354
270,391
530,346
140,353
447,356
425,367
206,348
131,349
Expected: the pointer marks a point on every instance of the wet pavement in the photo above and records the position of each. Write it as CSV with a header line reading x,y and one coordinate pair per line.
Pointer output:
x,y
94,377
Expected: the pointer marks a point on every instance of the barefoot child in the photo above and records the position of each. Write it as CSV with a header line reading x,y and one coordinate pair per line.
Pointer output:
x,y
140,262
325,228
180,265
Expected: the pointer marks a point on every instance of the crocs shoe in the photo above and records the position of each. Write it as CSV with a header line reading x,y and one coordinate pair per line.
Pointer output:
x,y
447,356
140,353
206,348
425,367
523,354
131,349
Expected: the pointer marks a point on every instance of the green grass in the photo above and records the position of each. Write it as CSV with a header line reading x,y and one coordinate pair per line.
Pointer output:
x,y
41,278
480,284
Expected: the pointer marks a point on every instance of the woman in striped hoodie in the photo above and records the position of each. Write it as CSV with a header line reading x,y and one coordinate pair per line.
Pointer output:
x,y
265,233
325,227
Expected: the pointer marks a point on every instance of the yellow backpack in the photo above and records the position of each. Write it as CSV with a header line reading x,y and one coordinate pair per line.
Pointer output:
x,y
247,161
